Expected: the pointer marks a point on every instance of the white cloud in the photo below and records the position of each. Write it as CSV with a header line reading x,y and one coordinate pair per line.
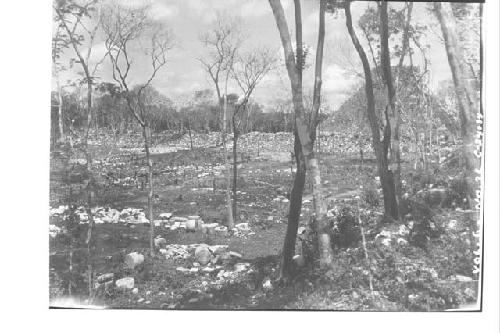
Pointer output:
x,y
98,52
134,3
255,8
161,11
335,80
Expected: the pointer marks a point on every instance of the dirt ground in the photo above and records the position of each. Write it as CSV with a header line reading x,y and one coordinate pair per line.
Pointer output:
x,y
184,186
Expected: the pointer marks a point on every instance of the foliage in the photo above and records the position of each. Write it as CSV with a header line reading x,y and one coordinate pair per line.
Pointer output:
x,y
457,192
345,231
72,237
371,196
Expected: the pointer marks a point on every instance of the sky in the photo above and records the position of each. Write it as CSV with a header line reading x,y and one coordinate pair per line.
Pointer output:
x,y
188,19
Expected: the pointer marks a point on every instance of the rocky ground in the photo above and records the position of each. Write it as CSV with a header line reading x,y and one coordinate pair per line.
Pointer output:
x,y
200,264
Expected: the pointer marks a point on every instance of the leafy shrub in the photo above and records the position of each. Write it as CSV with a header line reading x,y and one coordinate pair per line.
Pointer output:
x,y
457,192
371,197
345,228
419,214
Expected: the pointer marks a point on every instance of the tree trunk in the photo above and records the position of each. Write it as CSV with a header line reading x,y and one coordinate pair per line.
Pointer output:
x,y
70,283
235,167
60,110
190,136
361,157
287,266
467,98
90,186
393,116
146,134
304,134
230,220
379,147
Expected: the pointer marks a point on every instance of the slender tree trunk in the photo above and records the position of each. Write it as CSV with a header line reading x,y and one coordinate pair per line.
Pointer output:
x,y
146,134
230,220
397,109
70,282
190,136
90,185
305,135
287,266
318,141
361,151
393,118
467,98
235,166
380,147
60,109
258,145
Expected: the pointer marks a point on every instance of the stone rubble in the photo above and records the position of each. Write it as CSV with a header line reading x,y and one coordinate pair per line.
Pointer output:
x,y
126,283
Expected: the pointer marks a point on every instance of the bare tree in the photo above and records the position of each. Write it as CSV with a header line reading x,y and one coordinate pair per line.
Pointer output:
x,y
303,130
248,70
465,89
122,27
75,18
222,42
379,146
58,45
392,114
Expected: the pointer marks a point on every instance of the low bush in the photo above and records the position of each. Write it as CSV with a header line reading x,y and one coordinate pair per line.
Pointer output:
x,y
370,196
457,192
345,231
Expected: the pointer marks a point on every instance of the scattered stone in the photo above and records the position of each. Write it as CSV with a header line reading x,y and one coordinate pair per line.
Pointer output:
x,y
54,230
105,277
182,269
135,291
462,278
402,241
403,230
469,293
267,285
299,260
125,283
133,259
202,254
165,216
218,249
243,226
207,269
160,242
191,225
301,230
235,254
241,266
